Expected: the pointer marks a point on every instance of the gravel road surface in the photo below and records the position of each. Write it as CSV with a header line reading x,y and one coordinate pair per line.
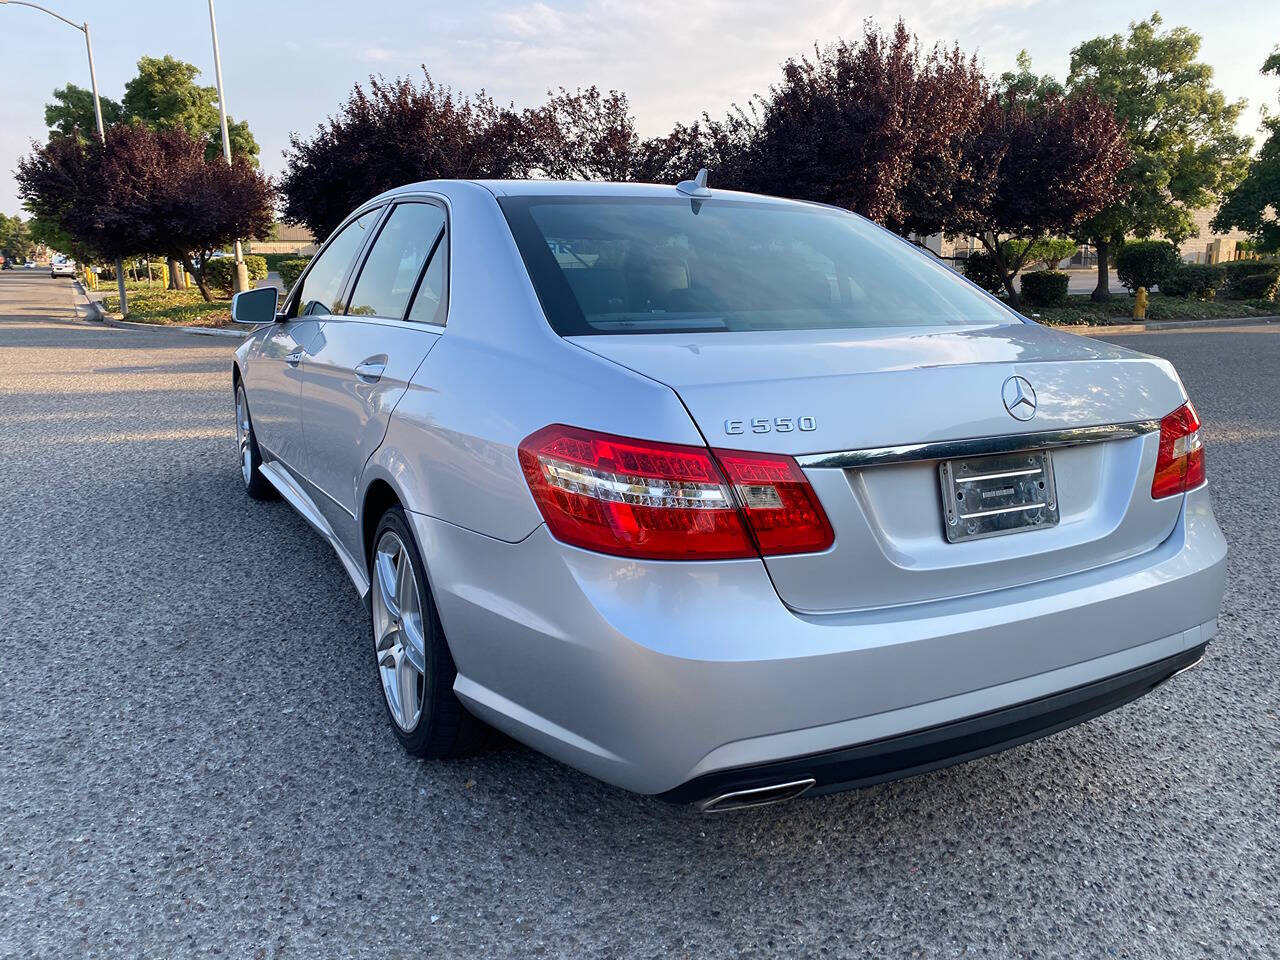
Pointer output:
x,y
196,761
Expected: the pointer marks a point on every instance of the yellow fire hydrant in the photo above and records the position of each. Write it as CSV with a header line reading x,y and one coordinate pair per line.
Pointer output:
x,y
1140,304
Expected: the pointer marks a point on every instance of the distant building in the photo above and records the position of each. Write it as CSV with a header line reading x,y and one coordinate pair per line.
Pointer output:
x,y
1207,247
288,239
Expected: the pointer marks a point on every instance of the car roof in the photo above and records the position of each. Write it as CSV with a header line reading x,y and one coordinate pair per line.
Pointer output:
x,y
578,188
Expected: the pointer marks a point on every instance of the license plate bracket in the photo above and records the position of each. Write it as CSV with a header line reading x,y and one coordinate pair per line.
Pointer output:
x,y
997,495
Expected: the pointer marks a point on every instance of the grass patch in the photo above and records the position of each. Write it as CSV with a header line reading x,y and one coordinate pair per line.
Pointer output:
x,y
183,308
1119,310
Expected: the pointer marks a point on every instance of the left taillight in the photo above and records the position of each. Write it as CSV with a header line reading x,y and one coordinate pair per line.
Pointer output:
x,y
665,501
1180,462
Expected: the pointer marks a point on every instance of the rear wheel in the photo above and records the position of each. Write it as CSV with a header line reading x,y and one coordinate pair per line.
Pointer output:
x,y
255,484
415,668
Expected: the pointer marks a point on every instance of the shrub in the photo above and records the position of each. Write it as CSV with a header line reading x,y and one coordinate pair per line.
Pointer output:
x,y
981,269
255,266
290,270
1251,279
1144,263
1198,280
220,273
1044,288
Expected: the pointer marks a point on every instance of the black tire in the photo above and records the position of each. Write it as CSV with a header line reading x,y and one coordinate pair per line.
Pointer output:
x,y
445,728
255,484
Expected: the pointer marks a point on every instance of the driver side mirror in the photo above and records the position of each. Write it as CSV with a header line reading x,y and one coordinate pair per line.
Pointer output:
x,y
255,306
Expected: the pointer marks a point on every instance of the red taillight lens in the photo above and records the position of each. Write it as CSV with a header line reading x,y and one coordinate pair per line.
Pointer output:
x,y
635,498
665,501
1180,463
779,502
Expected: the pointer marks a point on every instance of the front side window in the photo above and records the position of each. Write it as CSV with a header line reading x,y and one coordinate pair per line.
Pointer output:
x,y
394,264
606,265
322,285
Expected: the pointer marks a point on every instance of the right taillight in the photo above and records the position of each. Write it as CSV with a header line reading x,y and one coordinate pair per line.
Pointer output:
x,y
1180,463
665,501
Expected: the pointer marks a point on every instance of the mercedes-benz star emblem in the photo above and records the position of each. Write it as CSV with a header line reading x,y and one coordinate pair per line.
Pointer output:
x,y
1019,398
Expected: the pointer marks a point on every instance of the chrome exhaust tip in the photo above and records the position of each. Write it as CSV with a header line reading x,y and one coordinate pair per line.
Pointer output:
x,y
755,797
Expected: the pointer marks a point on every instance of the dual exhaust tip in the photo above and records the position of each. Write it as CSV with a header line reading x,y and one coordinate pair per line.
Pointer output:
x,y
755,797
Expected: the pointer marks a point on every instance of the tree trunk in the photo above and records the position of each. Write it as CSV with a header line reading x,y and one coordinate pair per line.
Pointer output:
x,y
176,280
198,276
1103,290
1015,299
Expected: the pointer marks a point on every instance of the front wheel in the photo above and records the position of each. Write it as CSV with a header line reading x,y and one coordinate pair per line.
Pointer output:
x,y
415,668
255,484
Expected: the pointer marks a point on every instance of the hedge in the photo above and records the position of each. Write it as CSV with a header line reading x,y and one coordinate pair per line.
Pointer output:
x,y
1198,280
221,272
1144,263
981,268
290,270
1251,279
1044,288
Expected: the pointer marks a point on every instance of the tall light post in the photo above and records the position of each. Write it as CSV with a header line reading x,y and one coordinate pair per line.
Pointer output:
x,y
97,109
242,274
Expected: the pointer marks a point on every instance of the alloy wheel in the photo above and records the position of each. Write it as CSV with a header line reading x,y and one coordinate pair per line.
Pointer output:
x,y
399,642
243,436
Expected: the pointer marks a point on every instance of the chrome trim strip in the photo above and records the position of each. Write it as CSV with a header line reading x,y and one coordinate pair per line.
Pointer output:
x,y
976,447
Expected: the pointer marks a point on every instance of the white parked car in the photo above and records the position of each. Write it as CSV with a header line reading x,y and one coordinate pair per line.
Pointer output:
x,y
62,267
721,497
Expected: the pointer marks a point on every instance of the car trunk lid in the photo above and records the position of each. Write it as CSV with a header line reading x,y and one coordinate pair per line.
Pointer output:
x,y
810,393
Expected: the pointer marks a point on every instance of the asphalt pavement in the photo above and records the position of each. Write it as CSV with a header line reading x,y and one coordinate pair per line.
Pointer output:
x,y
196,761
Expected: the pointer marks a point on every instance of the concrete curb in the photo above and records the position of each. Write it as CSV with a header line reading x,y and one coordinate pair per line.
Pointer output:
x,y
196,331
99,315
1091,330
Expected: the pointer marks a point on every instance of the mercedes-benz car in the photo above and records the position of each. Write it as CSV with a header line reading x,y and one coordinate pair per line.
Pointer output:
x,y
719,497
62,267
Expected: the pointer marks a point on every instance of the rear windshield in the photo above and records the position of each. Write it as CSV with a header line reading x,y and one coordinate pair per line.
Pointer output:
x,y
605,265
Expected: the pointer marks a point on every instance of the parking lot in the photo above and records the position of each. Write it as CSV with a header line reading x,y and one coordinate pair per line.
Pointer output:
x,y
197,763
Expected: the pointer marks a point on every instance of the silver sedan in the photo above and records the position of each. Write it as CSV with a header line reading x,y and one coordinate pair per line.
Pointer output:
x,y
721,497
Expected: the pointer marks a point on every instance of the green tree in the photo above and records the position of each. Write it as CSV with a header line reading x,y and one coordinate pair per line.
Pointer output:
x,y
165,96
1027,87
1254,205
72,112
1180,129
15,238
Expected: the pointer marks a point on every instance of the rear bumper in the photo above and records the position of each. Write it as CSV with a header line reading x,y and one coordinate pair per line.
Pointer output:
x,y
651,675
910,754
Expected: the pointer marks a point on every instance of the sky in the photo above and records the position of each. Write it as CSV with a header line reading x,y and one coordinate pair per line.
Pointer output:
x,y
287,65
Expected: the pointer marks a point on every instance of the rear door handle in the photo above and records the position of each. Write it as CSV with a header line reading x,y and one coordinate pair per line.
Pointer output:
x,y
295,358
371,370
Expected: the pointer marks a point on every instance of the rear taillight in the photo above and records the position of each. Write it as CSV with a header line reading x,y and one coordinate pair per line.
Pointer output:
x,y
665,501
1180,463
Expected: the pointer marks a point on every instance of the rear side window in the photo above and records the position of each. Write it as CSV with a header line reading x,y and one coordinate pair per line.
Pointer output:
x,y
322,285
606,265
395,263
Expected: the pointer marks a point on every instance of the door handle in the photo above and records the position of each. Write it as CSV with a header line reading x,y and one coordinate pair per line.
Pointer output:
x,y
371,370
295,358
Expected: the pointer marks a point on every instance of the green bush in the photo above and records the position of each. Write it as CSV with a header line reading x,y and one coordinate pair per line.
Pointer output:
x,y
1198,280
220,273
255,266
1044,288
981,269
290,270
1144,263
1251,279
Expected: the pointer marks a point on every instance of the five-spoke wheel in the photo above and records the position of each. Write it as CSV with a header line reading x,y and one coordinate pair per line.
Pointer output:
x,y
399,642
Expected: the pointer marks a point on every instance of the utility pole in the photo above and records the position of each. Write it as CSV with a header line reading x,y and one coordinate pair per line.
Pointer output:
x,y
242,274
97,112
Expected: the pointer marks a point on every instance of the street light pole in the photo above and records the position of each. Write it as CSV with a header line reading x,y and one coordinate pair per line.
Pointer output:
x,y
97,112
242,274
